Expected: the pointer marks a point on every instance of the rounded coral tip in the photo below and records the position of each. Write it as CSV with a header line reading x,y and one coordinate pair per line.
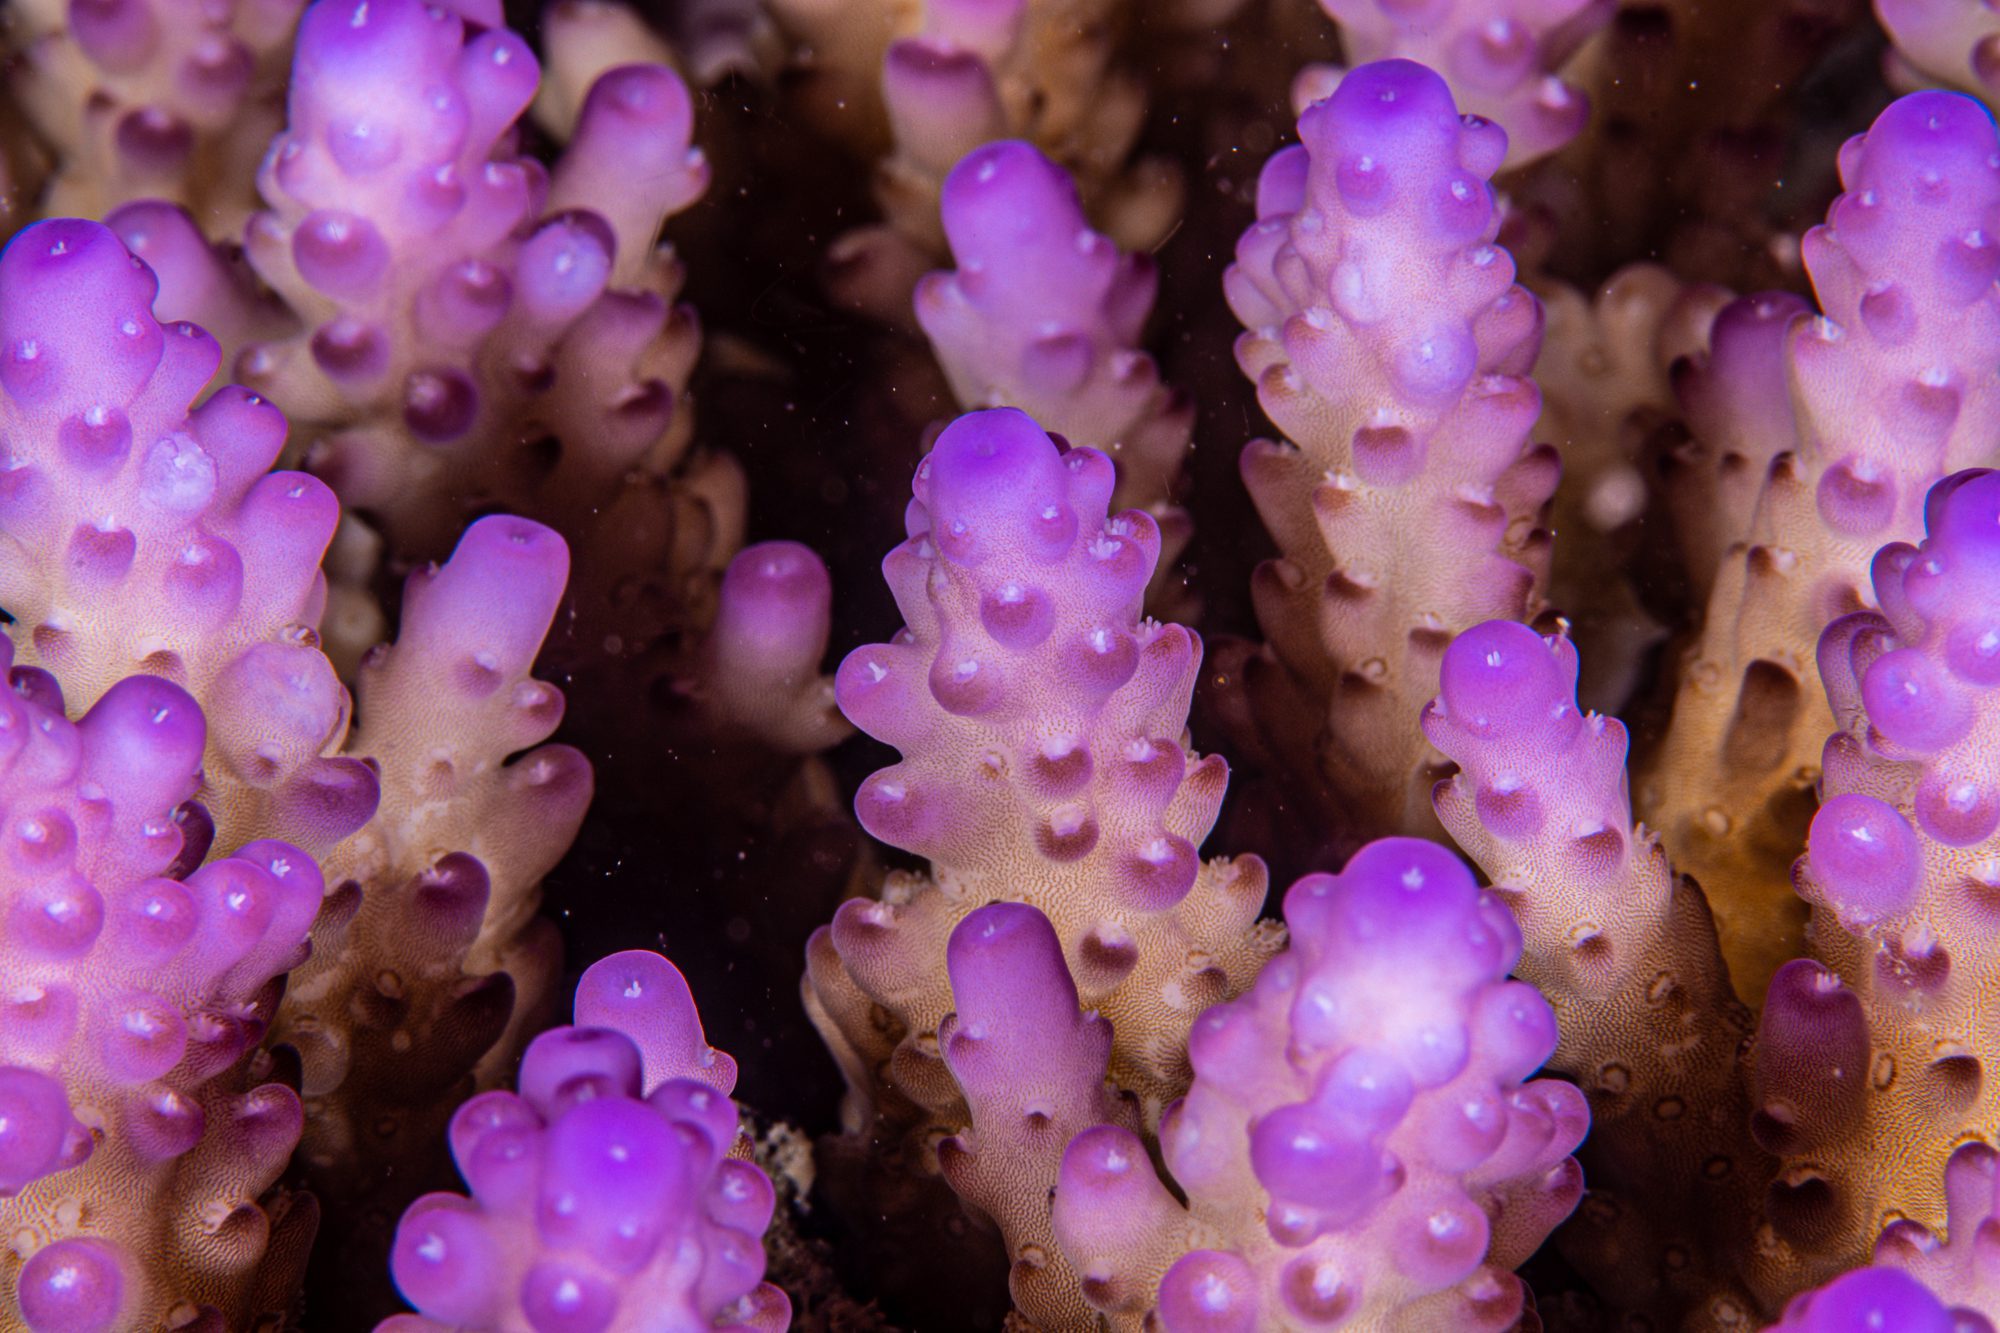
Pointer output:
x,y
1870,1300
1000,202
74,1286
34,1121
775,608
1502,678
76,317
993,482
1209,1291
1864,856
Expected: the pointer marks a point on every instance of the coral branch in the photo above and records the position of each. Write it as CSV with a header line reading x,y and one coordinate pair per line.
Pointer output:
x,y
1626,953
1890,390
153,99
429,958
1959,1264
1358,1146
1389,343
1870,1061
946,76
1032,1069
1042,725
1045,314
604,1193
1501,58
142,536
138,1131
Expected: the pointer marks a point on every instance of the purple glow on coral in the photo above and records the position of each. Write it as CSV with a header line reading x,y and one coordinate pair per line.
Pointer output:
x,y
601,1198
1392,1015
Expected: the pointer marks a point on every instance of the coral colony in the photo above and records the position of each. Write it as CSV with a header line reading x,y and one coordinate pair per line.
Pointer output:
x,y
1429,759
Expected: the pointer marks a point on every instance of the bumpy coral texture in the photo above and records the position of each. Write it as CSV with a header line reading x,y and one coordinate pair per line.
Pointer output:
x,y
1957,1264
950,75
1501,57
1031,1065
429,956
446,331
156,99
604,1195
1359,1147
1871,1060
1044,314
1042,727
1736,425
1390,345
137,1134
142,536
1626,953
1889,391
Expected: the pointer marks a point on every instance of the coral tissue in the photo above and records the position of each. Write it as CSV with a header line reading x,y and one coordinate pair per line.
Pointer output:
x,y
1523,473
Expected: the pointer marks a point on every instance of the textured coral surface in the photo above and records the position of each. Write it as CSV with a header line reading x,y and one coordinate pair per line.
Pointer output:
x,y
447,449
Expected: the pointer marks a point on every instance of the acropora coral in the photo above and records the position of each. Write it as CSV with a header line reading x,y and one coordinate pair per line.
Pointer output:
x,y
1517,472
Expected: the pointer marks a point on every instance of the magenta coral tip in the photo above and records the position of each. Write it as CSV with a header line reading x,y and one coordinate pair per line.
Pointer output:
x,y
1366,1095
443,1261
1866,857
993,483
593,1208
35,1124
1501,678
73,1286
76,325
491,602
1209,1291
1871,1300
644,996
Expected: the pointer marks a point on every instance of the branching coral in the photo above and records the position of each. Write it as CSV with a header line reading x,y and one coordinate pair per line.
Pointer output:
x,y
157,99
429,949
148,539
269,949
144,538
1955,1269
950,75
480,332
140,1126
1735,426
1626,953
1031,1066
1042,724
1359,1146
141,536
1957,1264
1501,59
1045,314
1890,390
1870,1061
1390,345
445,332
604,1193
